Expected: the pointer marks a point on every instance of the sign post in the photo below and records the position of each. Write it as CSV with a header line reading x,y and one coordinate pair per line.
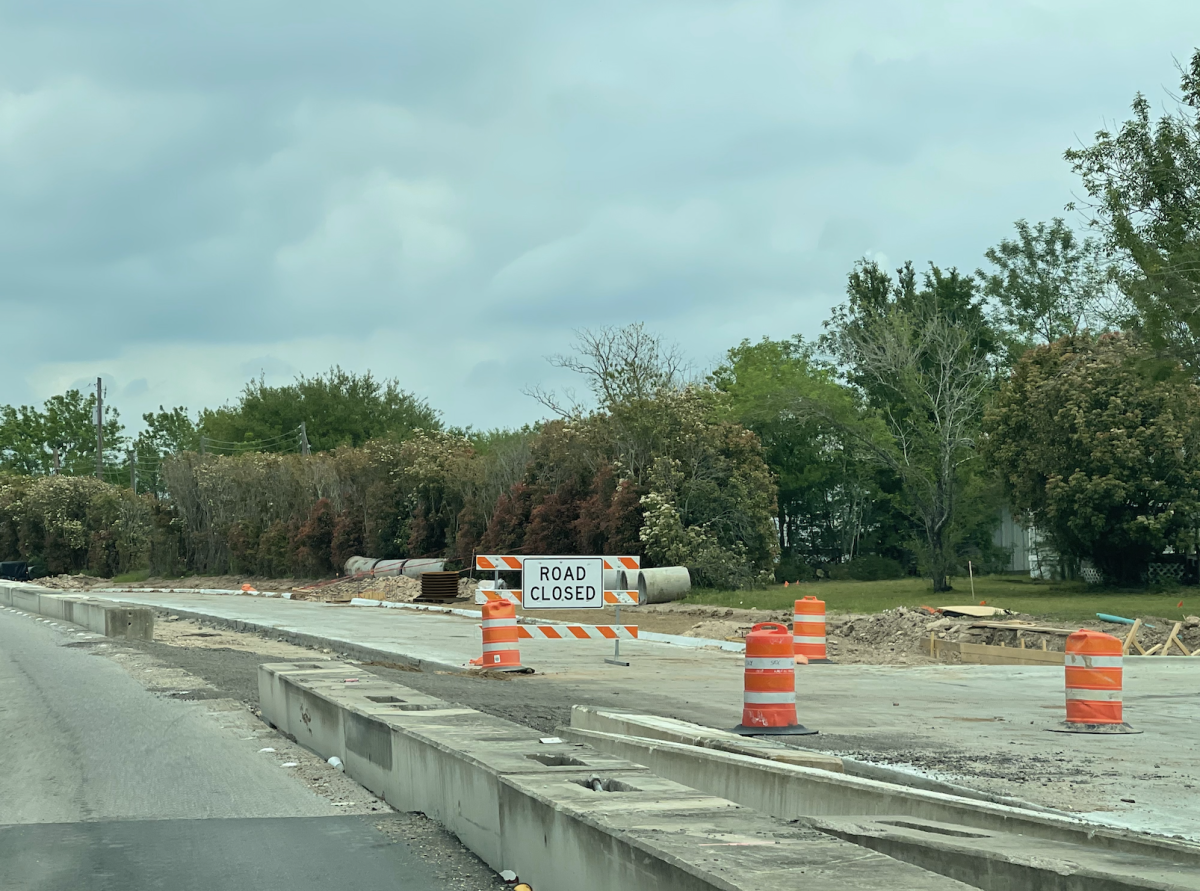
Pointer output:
x,y
616,656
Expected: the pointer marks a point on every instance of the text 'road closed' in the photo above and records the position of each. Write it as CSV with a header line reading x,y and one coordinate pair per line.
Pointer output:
x,y
563,583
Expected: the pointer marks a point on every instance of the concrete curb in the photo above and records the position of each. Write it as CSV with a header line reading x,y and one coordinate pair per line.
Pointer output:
x,y
347,649
112,619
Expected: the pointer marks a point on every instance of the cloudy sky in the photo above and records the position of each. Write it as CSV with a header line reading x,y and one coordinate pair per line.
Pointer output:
x,y
194,193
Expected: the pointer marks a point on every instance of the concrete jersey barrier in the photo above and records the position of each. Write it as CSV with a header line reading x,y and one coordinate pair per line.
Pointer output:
x,y
105,617
563,817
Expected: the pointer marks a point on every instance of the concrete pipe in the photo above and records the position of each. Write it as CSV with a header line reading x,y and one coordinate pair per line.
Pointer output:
x,y
410,568
663,584
615,580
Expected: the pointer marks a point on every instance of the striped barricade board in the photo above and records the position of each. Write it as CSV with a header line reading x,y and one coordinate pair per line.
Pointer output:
x,y
578,632
611,598
514,562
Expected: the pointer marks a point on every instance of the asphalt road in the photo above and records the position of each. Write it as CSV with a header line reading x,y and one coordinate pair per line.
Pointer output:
x,y
107,785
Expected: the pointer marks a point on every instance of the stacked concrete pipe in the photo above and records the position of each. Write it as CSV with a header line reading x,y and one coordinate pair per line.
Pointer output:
x,y
411,568
663,584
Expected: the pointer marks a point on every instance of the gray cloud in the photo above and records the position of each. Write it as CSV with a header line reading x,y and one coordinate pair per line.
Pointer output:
x,y
192,194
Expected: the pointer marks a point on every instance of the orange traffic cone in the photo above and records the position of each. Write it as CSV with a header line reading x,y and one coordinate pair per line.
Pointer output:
x,y
1094,680
769,703
808,630
500,652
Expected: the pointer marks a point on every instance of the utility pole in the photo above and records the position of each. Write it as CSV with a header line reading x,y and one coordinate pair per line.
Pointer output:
x,y
201,443
99,430
132,473
303,439
57,464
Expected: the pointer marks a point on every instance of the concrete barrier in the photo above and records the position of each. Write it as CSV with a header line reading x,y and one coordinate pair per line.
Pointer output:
x,y
101,616
983,844
560,815
673,730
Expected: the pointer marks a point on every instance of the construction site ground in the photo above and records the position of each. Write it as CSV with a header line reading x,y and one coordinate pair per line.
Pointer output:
x,y
983,726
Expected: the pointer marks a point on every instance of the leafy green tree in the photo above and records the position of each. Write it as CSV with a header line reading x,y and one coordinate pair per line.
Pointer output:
x,y
338,408
826,490
1143,186
31,440
167,432
1046,284
921,357
1100,454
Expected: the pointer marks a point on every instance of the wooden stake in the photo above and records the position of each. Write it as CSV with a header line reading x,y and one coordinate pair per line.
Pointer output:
x,y
1132,641
1173,640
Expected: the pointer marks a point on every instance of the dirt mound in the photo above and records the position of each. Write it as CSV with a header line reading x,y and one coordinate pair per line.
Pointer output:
x,y
902,635
71,582
395,589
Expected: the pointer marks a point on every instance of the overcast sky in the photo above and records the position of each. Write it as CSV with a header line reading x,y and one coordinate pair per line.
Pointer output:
x,y
194,193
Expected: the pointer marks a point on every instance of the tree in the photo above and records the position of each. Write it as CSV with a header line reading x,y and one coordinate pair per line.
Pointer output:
x,y
921,357
1047,284
1100,453
166,433
620,365
825,487
1143,188
65,426
337,408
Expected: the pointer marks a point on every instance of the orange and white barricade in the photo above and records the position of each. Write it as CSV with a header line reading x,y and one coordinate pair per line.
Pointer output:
x,y
514,562
484,594
1094,676
577,632
808,629
769,698
488,593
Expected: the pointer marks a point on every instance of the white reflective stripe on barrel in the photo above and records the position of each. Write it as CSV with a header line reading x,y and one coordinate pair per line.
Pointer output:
x,y
800,638
808,617
1094,695
1080,660
499,623
497,647
767,663
756,698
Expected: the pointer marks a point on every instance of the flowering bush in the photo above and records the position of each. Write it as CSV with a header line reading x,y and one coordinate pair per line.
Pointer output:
x,y
72,524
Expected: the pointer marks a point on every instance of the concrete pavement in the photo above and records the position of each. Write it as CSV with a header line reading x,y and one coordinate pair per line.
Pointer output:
x,y
982,726
105,785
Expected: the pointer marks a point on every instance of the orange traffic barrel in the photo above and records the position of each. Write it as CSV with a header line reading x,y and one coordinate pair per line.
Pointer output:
x,y
808,629
769,700
1094,680
500,651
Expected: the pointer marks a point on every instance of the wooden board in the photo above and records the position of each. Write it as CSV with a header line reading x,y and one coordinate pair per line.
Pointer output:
x,y
1024,626
985,654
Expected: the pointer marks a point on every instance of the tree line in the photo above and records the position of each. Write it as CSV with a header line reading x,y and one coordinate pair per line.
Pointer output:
x,y
1059,380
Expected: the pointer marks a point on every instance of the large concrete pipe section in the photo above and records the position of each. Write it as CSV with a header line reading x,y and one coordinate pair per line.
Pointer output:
x,y
663,584
411,568
615,580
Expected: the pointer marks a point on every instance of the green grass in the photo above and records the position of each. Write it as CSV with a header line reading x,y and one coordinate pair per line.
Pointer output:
x,y
138,575
1057,601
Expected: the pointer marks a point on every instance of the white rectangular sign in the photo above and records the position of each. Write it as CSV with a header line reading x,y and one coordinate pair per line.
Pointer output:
x,y
562,583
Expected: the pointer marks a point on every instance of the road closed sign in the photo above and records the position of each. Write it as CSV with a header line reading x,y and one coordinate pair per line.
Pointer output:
x,y
562,583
